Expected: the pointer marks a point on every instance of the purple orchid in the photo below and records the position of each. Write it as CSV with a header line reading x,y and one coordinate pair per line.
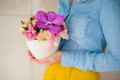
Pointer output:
x,y
50,21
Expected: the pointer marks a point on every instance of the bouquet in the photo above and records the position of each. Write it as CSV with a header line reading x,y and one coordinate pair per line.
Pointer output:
x,y
43,32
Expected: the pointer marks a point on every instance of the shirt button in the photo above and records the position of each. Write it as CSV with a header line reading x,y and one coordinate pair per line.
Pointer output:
x,y
89,19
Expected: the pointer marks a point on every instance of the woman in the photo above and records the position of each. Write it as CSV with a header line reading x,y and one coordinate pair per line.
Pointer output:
x,y
91,24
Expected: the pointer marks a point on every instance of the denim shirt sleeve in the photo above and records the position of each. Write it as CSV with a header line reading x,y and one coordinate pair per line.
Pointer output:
x,y
100,61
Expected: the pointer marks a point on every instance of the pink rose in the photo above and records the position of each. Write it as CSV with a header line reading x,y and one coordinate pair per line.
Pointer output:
x,y
30,34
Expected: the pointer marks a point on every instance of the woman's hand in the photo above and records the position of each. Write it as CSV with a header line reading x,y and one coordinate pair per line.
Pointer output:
x,y
54,58
32,58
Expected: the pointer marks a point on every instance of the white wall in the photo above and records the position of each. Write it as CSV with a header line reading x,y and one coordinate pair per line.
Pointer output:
x,y
14,62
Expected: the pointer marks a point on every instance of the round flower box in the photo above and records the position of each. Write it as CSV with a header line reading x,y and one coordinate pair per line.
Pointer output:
x,y
41,49
43,32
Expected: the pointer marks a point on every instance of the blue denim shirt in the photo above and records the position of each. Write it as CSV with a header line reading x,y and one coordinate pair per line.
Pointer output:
x,y
91,24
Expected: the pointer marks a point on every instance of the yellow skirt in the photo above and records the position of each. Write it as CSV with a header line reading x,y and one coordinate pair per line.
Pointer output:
x,y
58,72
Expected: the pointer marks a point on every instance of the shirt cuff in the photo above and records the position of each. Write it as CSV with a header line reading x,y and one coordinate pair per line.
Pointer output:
x,y
67,59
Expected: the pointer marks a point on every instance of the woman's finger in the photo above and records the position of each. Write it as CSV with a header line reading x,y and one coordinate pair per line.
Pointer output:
x,y
30,54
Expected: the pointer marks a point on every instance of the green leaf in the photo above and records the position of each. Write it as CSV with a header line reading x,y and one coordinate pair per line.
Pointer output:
x,y
62,26
26,28
22,22
37,29
31,19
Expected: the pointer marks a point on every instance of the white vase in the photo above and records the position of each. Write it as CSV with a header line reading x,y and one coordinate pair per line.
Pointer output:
x,y
41,49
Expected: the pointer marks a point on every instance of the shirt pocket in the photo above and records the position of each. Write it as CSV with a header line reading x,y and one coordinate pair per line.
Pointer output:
x,y
78,26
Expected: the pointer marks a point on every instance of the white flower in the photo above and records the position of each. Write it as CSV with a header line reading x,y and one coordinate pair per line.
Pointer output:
x,y
64,35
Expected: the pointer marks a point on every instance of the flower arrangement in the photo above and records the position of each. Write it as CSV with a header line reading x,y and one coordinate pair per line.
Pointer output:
x,y
47,27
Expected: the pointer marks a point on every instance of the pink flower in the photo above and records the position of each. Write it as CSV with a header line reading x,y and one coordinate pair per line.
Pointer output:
x,y
30,34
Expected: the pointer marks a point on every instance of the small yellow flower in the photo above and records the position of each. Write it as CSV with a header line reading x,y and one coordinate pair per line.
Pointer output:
x,y
40,36
27,22
33,22
47,35
21,29
44,35
25,25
